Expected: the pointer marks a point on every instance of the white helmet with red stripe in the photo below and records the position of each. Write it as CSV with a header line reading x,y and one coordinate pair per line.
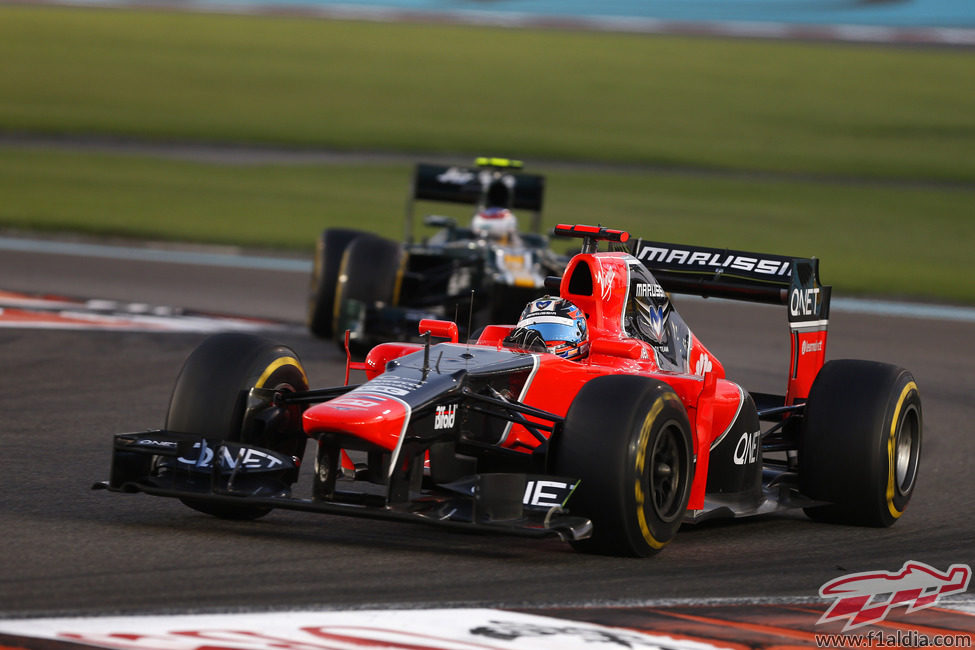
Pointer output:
x,y
494,223
554,322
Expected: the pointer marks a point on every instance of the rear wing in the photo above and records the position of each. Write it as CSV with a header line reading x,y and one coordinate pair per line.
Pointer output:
x,y
470,185
754,277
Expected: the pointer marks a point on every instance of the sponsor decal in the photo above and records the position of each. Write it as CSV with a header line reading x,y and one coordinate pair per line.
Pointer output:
x,y
653,318
811,346
547,494
804,302
355,403
445,417
389,385
715,259
867,597
562,633
512,262
456,176
746,451
605,278
460,280
430,629
161,444
645,290
703,365
246,458
542,305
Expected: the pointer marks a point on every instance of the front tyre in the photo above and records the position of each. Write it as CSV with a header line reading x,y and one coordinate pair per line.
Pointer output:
x,y
628,439
329,249
860,442
210,399
369,277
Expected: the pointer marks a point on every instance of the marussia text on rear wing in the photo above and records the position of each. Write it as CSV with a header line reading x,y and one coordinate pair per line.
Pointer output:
x,y
754,277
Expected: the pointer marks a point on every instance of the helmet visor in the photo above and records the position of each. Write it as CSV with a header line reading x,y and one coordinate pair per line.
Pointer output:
x,y
559,331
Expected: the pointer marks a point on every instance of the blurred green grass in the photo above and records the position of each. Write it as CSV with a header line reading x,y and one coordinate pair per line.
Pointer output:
x,y
901,241
892,129
710,103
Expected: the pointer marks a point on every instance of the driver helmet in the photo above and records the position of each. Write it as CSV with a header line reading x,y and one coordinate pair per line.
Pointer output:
x,y
495,223
553,324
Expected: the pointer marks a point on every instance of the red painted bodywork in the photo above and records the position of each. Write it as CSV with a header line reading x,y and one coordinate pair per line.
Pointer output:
x,y
377,419
712,402
807,357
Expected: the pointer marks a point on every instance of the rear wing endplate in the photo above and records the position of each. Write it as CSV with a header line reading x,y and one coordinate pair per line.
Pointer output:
x,y
467,185
754,277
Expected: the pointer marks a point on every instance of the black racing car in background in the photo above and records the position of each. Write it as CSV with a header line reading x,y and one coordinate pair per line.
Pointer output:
x,y
477,273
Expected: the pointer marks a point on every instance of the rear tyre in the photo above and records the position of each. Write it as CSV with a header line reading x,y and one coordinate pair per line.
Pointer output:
x,y
370,274
210,398
860,442
329,249
628,439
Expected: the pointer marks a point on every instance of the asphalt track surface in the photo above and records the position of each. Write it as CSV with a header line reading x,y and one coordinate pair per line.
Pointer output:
x,y
65,549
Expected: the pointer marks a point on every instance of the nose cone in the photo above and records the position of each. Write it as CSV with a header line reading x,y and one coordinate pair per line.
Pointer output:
x,y
376,418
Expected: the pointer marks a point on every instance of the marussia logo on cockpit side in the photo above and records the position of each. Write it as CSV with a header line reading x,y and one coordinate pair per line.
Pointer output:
x,y
916,585
645,290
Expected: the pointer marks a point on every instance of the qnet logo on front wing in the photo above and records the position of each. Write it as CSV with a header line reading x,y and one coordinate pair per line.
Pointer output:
x,y
867,597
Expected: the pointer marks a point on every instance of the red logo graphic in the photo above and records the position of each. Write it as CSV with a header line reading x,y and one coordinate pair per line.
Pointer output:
x,y
867,597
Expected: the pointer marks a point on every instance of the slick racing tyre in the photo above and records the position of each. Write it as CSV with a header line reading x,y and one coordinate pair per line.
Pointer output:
x,y
860,442
210,399
628,439
329,249
369,276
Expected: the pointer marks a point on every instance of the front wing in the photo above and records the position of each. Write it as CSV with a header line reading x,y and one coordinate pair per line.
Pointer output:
x,y
191,467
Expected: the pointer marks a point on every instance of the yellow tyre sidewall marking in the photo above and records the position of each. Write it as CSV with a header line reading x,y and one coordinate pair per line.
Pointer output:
x,y
891,448
641,458
277,363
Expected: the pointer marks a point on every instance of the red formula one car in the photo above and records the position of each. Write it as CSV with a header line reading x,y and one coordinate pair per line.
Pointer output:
x,y
599,417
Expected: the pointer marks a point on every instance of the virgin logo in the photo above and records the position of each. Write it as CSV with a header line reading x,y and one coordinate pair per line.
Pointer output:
x,y
605,278
916,586
703,365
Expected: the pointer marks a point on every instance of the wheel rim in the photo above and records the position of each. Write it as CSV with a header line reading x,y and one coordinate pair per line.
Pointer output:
x,y
323,486
267,428
906,451
667,473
